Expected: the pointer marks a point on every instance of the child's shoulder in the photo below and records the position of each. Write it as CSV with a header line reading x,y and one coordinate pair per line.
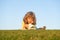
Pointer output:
x,y
22,22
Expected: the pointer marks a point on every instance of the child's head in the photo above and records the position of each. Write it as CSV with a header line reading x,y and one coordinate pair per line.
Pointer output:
x,y
29,18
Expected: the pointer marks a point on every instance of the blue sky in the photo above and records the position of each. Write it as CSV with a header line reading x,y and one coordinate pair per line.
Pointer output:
x,y
12,12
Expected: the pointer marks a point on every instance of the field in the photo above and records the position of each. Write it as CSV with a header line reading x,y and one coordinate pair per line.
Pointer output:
x,y
29,34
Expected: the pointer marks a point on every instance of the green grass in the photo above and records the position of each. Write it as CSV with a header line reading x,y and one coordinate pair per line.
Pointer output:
x,y
29,34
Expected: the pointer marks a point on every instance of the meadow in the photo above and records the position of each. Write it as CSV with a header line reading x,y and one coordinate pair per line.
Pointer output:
x,y
29,34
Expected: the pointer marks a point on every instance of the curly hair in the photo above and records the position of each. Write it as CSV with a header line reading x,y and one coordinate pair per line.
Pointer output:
x,y
31,15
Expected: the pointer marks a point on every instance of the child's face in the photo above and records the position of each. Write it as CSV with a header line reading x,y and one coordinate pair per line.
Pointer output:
x,y
30,20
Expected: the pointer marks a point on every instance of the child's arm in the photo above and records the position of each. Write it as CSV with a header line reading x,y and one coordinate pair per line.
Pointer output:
x,y
24,26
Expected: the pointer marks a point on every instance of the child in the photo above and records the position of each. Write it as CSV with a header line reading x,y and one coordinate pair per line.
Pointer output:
x,y
29,21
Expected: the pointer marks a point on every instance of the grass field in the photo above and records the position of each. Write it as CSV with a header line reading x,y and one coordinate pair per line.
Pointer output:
x,y
29,34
